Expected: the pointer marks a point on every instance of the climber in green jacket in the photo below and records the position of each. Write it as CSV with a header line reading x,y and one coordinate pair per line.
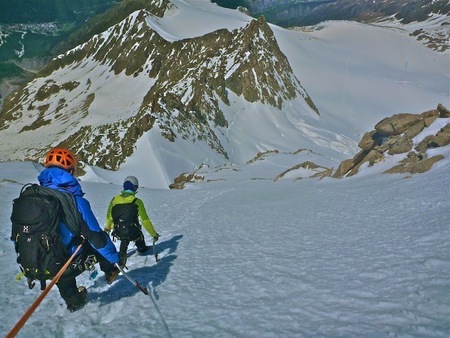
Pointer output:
x,y
123,215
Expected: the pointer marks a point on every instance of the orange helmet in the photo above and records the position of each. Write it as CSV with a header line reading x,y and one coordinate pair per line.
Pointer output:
x,y
61,157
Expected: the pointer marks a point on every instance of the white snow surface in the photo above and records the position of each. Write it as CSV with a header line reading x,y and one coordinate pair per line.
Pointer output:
x,y
366,256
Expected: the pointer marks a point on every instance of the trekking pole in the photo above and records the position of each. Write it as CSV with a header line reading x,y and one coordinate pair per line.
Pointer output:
x,y
134,282
38,300
154,250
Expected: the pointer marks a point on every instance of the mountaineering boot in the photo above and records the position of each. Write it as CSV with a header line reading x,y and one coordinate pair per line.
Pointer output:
x,y
142,251
111,275
78,300
122,259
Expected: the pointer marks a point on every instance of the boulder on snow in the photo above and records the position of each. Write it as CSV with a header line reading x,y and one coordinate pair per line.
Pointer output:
x,y
441,139
415,129
414,166
430,116
305,165
399,144
344,168
393,136
181,181
443,112
397,124
350,166
367,142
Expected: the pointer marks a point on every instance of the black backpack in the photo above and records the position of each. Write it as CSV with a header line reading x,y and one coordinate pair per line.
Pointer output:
x,y
126,221
35,216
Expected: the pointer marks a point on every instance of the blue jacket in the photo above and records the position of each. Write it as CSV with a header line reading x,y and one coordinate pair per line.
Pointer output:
x,y
57,178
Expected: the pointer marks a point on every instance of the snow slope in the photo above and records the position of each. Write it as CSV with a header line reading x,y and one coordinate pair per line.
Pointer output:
x,y
366,256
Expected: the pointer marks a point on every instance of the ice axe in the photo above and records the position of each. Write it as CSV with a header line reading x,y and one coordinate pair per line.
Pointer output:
x,y
131,280
154,250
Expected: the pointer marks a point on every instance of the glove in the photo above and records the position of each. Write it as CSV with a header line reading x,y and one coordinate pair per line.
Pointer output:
x,y
156,237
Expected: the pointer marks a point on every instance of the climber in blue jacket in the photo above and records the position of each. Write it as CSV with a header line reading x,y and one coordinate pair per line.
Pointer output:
x,y
60,165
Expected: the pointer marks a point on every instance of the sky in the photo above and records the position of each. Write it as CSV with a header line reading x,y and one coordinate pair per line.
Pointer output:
x,y
244,256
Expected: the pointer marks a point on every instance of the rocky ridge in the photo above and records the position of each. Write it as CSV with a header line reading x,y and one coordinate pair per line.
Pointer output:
x,y
182,98
394,136
391,136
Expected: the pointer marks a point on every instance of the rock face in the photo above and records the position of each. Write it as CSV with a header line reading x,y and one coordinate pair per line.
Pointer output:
x,y
323,172
393,136
184,178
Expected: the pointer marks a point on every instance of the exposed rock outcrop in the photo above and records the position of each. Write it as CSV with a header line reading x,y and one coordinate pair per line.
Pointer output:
x,y
323,171
394,135
183,179
413,164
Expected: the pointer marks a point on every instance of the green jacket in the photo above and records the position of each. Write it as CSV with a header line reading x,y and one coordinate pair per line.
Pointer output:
x,y
127,197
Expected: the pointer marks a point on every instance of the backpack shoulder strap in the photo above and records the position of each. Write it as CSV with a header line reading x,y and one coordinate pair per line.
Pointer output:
x,y
26,186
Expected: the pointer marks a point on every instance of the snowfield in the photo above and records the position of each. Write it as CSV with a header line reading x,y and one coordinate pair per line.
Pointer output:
x,y
366,256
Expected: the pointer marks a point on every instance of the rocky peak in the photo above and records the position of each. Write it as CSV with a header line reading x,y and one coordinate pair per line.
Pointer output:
x,y
259,75
182,85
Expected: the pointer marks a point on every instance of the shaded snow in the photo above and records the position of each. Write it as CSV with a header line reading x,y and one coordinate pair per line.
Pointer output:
x,y
366,256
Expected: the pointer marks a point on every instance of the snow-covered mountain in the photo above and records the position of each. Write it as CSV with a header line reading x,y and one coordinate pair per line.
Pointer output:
x,y
30,33
195,84
426,20
136,77
253,248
